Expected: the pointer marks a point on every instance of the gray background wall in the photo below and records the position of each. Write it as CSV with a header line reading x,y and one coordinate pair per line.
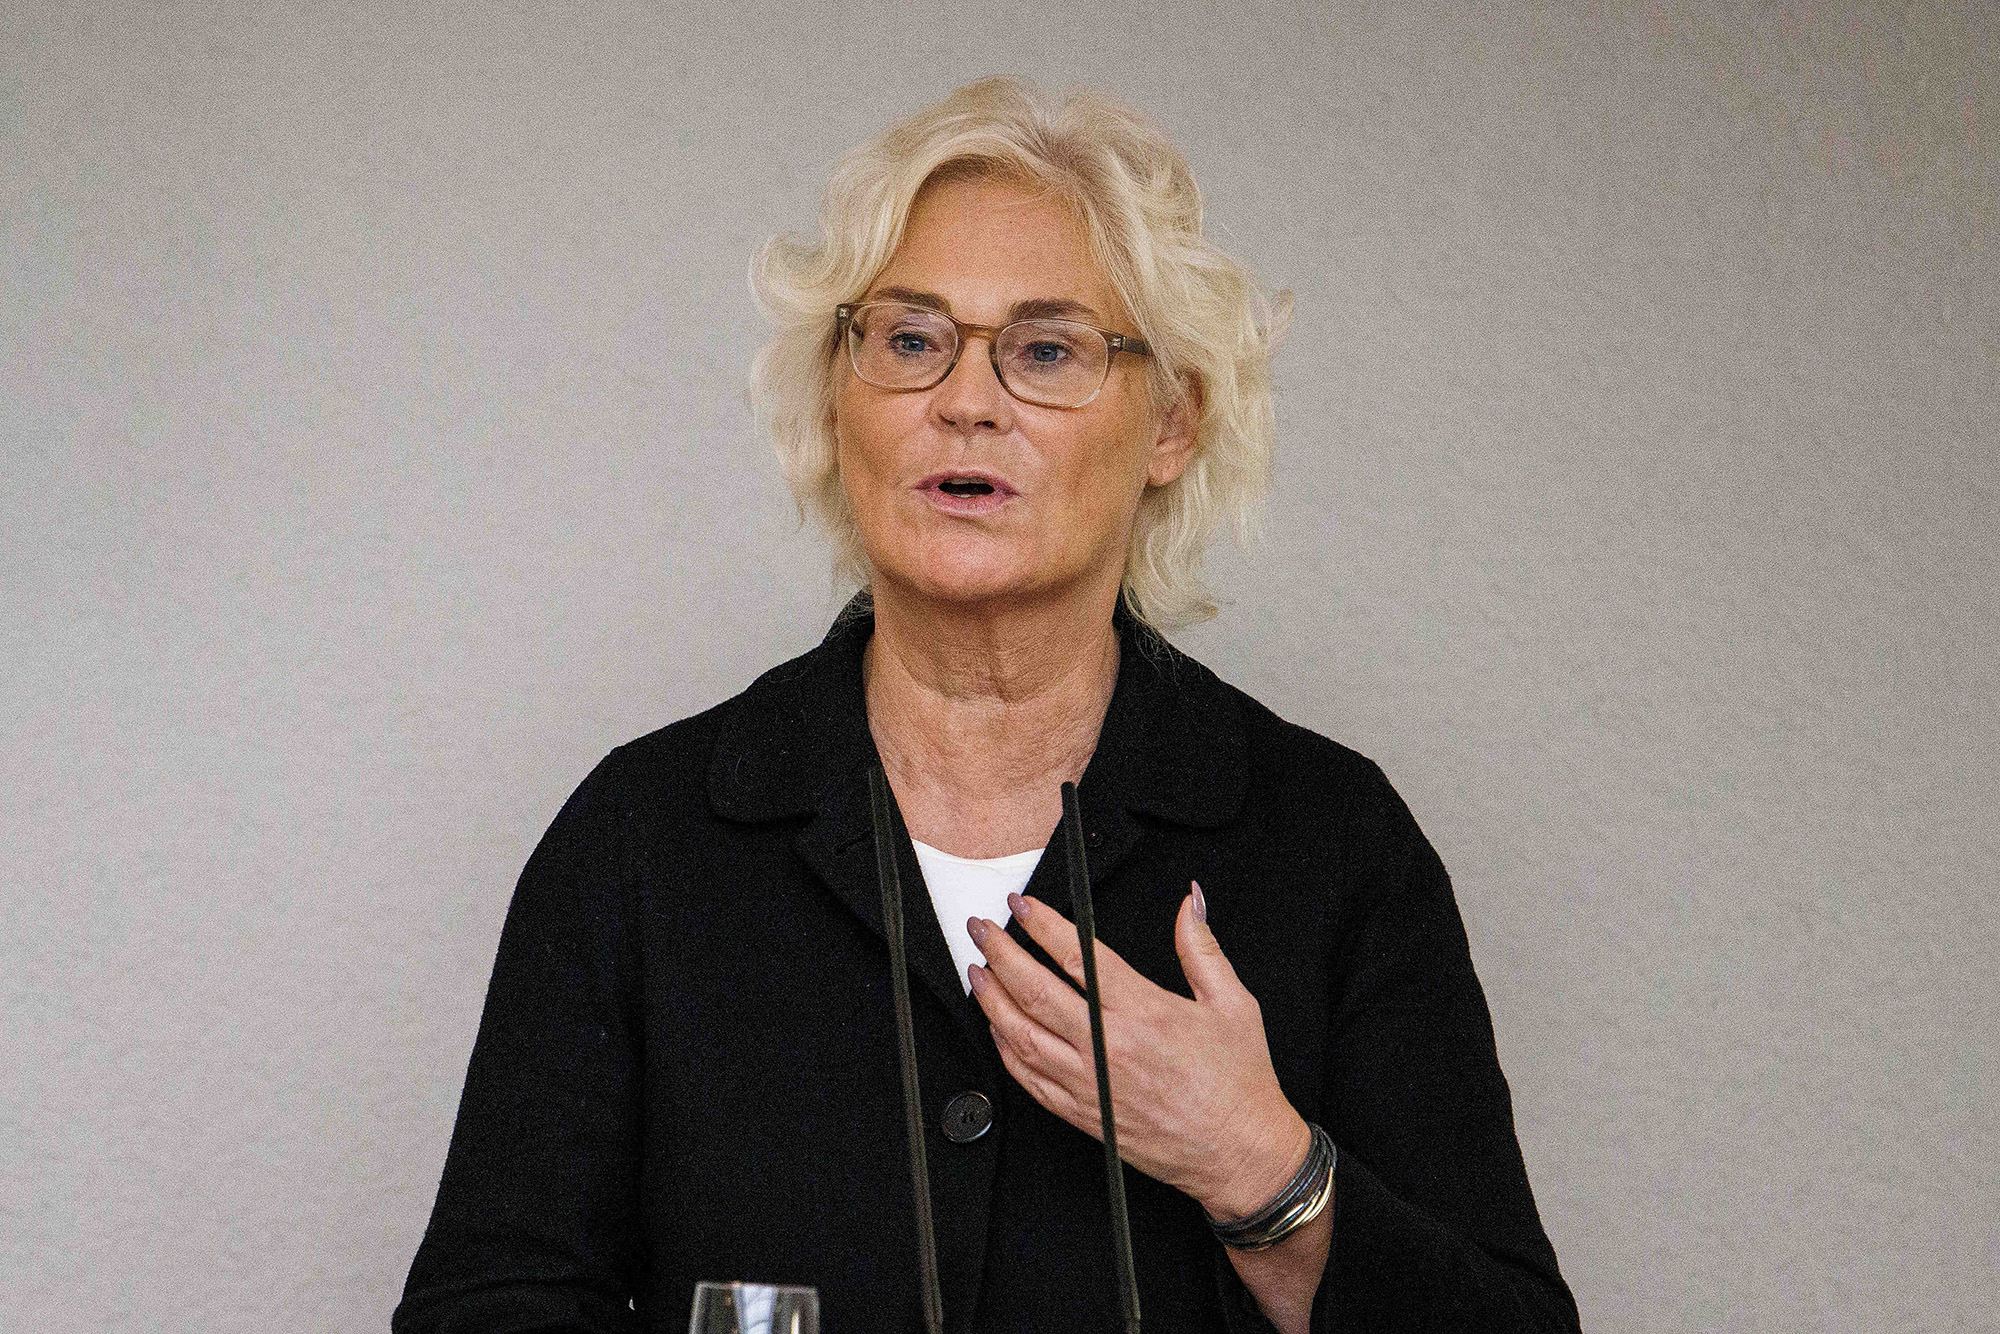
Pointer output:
x,y
375,459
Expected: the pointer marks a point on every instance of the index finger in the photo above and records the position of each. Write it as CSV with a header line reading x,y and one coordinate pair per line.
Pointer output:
x,y
1039,993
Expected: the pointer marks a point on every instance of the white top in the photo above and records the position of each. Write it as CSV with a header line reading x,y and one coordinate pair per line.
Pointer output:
x,y
967,887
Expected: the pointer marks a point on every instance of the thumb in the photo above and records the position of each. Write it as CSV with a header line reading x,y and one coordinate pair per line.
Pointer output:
x,y
1207,969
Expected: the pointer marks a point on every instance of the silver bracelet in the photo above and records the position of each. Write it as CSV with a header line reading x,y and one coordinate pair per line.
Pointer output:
x,y
1296,1205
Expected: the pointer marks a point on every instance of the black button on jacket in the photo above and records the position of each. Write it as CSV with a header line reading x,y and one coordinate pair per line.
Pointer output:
x,y
686,1068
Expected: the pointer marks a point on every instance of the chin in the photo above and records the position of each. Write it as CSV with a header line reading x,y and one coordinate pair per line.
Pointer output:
x,y
969,577
969,589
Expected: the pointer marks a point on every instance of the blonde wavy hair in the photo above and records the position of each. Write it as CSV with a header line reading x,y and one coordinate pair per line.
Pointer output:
x,y
1209,325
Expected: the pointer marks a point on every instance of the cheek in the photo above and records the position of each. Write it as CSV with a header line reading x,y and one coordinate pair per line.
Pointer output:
x,y
1107,474
858,445
869,458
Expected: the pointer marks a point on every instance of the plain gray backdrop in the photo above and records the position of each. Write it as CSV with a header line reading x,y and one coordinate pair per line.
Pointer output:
x,y
376,459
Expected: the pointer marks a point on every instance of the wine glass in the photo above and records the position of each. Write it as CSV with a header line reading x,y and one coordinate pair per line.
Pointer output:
x,y
754,1308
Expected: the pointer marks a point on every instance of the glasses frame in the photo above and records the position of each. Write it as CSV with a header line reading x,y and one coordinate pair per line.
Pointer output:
x,y
1114,343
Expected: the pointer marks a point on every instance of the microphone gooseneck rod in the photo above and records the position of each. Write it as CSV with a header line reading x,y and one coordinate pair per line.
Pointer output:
x,y
1114,1172
883,802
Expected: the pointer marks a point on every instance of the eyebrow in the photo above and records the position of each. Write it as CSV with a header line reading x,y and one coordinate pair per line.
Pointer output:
x,y
1034,308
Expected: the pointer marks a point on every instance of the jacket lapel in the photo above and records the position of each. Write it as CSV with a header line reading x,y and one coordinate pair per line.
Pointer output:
x,y
839,845
798,745
1171,749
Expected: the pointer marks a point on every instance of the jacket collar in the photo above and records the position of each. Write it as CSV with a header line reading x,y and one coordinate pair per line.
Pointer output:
x,y
797,741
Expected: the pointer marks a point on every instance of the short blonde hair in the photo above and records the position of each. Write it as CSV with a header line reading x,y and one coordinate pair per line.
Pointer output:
x,y
1200,310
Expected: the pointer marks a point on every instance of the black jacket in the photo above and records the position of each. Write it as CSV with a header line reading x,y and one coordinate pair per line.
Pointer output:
x,y
686,1068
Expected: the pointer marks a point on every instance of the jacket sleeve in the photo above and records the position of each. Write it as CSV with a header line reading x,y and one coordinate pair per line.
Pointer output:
x,y
536,1223
1435,1227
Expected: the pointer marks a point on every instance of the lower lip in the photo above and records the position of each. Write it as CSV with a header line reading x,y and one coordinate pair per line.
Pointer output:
x,y
968,506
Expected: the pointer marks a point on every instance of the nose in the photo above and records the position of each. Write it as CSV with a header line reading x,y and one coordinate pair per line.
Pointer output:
x,y
971,398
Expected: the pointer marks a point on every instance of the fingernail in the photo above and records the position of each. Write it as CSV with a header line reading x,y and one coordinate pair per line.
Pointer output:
x,y
1019,906
975,977
1200,903
976,928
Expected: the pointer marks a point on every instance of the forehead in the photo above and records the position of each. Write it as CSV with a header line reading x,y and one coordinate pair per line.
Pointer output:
x,y
986,246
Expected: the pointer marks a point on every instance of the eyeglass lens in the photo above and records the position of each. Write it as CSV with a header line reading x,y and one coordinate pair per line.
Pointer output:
x,y
1057,363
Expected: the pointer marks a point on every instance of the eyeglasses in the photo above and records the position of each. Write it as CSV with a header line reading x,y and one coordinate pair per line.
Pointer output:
x,y
1053,363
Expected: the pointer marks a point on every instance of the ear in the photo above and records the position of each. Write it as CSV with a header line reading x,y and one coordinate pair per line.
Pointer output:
x,y
1173,449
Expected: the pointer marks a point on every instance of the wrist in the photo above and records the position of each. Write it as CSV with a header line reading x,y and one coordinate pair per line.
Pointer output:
x,y
1293,1211
1259,1170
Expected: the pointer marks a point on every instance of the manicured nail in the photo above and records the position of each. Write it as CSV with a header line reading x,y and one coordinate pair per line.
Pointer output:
x,y
975,977
1200,904
1019,906
976,928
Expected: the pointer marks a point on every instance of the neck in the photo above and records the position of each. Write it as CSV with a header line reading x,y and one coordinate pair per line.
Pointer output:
x,y
981,713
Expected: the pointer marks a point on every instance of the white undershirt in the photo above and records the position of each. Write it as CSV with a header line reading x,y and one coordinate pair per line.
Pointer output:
x,y
967,887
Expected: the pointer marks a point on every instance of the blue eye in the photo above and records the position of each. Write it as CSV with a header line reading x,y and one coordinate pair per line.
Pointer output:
x,y
909,343
1047,353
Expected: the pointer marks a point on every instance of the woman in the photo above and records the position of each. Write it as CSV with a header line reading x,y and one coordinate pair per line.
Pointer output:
x,y
1020,390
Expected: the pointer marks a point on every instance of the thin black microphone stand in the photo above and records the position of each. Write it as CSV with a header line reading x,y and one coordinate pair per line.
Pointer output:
x,y
891,879
1114,1172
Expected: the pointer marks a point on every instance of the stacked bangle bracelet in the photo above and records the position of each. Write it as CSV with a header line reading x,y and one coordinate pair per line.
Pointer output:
x,y
1296,1205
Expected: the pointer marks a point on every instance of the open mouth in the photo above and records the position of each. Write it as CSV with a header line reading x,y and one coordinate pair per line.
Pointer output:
x,y
969,492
